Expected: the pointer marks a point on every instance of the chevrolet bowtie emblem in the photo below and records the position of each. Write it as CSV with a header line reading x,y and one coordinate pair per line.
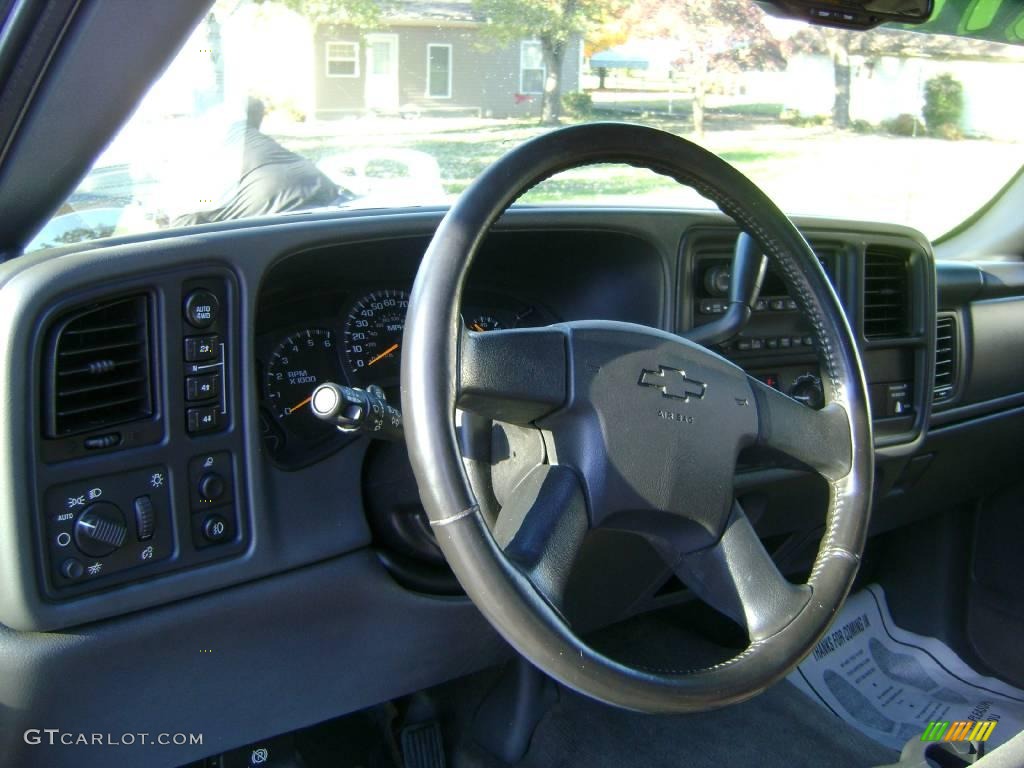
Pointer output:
x,y
673,383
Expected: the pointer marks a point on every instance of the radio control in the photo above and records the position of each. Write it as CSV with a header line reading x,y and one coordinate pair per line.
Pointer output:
x,y
808,390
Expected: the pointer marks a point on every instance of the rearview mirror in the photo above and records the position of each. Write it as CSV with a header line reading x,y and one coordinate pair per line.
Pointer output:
x,y
852,14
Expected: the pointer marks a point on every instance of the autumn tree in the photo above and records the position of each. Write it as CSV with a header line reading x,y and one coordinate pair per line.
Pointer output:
x,y
611,30
555,24
727,35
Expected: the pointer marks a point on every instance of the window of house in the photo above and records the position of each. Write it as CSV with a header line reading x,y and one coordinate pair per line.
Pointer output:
x,y
532,71
439,71
342,59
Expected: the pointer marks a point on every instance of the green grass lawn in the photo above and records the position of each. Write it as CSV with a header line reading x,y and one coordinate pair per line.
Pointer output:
x,y
927,183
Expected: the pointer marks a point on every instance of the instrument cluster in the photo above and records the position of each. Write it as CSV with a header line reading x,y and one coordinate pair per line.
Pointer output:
x,y
358,344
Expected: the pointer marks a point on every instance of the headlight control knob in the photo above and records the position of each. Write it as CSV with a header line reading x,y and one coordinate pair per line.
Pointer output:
x,y
100,529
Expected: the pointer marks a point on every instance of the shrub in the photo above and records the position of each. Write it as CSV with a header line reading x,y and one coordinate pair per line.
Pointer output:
x,y
862,126
285,108
943,103
798,120
578,104
948,132
904,125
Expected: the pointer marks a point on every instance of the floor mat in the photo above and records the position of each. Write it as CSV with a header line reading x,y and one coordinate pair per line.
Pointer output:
x,y
891,684
778,729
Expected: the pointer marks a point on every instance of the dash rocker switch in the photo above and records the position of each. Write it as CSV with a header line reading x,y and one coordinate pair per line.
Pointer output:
x,y
145,517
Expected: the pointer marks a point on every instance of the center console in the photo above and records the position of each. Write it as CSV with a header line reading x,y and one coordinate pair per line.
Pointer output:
x,y
886,284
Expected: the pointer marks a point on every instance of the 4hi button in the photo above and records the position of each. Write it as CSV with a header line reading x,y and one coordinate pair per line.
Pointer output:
x,y
201,308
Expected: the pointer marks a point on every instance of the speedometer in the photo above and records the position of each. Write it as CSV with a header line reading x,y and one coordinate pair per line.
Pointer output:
x,y
373,337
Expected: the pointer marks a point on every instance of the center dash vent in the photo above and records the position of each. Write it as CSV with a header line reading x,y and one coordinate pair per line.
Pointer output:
x,y
945,358
886,292
828,256
713,253
99,368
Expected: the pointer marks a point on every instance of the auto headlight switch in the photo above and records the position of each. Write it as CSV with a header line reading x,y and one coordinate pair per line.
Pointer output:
x,y
101,526
100,530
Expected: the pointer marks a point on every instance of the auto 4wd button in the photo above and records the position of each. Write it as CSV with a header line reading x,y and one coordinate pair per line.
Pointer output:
x,y
201,309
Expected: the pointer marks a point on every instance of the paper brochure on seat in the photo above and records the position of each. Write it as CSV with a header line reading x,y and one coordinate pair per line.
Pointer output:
x,y
892,684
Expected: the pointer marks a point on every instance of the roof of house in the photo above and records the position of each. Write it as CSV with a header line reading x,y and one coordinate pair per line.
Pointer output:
x,y
432,10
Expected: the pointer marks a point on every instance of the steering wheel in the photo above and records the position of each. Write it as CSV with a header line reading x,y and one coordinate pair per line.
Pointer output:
x,y
639,430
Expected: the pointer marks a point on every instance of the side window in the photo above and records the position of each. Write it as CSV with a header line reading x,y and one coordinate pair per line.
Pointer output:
x,y
532,72
342,59
439,71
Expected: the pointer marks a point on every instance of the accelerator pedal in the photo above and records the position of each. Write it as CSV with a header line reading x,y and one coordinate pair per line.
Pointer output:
x,y
422,745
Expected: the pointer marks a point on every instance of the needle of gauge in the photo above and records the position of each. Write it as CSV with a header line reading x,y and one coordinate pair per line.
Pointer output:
x,y
477,327
383,354
294,408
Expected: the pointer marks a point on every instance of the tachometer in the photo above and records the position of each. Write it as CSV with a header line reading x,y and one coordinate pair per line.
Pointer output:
x,y
297,365
373,337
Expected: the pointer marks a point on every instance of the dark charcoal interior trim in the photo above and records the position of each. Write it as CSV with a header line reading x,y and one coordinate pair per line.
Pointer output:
x,y
339,632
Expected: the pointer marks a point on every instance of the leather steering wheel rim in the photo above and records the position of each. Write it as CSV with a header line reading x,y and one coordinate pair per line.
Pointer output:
x,y
444,367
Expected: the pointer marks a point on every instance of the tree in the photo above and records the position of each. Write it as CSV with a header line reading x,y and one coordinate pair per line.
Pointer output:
x,y
727,35
841,45
358,13
943,103
555,24
611,30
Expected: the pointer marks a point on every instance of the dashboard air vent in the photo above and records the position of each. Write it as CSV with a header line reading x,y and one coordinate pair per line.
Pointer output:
x,y
945,358
886,292
99,367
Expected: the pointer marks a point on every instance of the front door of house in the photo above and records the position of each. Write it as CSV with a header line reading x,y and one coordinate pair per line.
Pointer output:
x,y
382,72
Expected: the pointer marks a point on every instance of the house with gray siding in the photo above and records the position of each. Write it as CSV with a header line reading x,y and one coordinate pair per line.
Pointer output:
x,y
430,58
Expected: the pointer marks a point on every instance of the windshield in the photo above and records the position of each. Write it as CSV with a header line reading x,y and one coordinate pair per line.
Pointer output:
x,y
276,107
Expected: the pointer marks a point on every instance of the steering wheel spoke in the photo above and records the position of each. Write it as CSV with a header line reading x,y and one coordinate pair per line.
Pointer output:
x,y
542,528
515,375
819,439
738,577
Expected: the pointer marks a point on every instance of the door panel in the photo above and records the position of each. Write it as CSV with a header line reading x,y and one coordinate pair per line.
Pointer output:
x,y
382,72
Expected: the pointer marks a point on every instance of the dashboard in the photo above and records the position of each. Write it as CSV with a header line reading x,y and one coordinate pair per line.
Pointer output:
x,y
168,480
351,337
